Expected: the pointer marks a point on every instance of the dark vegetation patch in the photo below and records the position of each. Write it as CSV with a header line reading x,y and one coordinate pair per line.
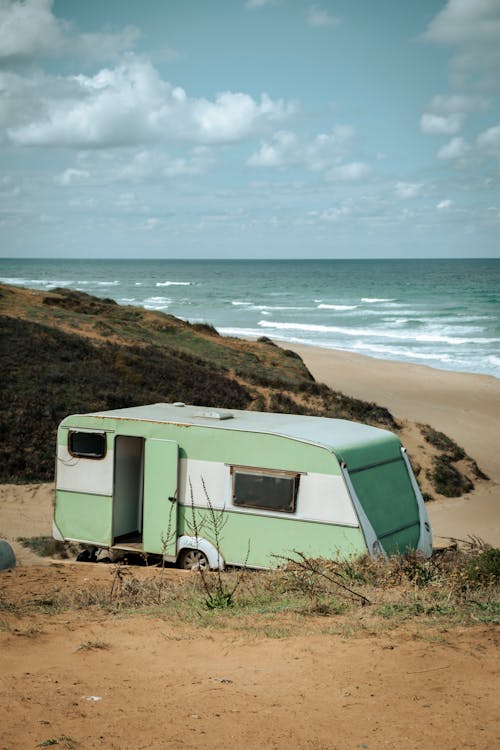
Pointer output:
x,y
47,374
47,546
447,479
442,442
79,302
445,476
207,328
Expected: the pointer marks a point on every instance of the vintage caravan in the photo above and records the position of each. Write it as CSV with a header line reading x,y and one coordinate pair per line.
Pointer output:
x,y
156,479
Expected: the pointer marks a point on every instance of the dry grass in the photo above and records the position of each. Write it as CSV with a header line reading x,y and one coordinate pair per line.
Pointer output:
x,y
456,587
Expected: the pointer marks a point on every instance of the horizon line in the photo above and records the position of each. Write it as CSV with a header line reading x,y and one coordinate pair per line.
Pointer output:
x,y
264,260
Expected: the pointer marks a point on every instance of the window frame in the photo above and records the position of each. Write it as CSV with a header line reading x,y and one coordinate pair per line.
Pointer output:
x,y
294,476
90,456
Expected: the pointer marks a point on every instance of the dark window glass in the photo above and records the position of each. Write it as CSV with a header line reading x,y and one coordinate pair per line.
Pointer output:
x,y
87,444
266,491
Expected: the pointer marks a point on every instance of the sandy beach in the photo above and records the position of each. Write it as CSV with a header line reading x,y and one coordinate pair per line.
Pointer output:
x,y
464,406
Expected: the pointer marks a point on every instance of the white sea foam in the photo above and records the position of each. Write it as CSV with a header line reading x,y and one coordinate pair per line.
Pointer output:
x,y
279,307
245,332
14,281
252,306
374,333
377,299
173,283
157,303
398,352
47,283
324,306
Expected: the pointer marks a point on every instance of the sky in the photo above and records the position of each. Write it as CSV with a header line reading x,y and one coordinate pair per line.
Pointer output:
x,y
249,128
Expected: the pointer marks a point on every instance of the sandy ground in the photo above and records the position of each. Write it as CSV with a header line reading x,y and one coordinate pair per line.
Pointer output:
x,y
465,407
161,684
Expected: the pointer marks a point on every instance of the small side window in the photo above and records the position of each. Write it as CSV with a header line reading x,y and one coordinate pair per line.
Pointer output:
x,y
266,490
87,444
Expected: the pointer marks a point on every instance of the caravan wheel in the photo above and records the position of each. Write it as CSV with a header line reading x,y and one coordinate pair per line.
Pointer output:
x,y
193,559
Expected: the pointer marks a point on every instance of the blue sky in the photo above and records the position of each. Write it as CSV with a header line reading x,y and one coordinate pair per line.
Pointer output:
x,y
254,129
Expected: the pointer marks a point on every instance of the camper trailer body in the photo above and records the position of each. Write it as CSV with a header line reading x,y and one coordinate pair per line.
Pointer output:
x,y
197,484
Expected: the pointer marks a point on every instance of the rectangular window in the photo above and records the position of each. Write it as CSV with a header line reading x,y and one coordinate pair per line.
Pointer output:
x,y
87,444
267,490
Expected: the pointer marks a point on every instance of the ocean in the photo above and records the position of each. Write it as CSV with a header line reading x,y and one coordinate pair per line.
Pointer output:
x,y
441,313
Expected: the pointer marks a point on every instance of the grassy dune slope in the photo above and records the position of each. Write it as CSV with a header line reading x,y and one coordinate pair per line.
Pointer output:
x,y
64,352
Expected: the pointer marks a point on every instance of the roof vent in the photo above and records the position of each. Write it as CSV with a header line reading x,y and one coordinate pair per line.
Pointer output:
x,y
213,414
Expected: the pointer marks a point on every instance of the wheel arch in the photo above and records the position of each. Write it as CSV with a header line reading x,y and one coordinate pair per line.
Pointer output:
x,y
215,559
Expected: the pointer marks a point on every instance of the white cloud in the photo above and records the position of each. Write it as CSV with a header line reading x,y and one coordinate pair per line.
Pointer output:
x,y
408,189
147,163
134,166
283,151
131,104
486,146
489,141
350,172
449,104
8,187
326,153
320,18
72,176
472,27
444,205
440,124
29,29
107,46
253,4
462,21
334,214
126,200
457,148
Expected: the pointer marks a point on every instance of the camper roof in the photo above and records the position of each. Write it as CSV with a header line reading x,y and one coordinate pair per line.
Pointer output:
x,y
348,440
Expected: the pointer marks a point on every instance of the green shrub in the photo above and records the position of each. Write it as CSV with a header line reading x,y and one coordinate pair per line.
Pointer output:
x,y
442,442
446,478
484,568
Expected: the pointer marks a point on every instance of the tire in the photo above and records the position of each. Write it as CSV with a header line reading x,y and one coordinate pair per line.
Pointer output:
x,y
193,559
86,555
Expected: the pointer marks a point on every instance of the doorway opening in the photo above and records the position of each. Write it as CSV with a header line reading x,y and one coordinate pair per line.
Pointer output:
x,y
128,492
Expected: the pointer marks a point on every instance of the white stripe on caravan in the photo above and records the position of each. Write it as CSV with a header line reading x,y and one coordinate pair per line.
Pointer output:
x,y
323,498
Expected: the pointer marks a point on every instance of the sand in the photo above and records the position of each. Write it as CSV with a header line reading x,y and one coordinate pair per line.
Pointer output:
x,y
161,684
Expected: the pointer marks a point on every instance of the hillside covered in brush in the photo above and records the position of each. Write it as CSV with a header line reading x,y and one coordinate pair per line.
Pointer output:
x,y
66,352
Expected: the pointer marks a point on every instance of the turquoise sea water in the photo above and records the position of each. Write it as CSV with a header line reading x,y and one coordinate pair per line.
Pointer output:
x,y
442,313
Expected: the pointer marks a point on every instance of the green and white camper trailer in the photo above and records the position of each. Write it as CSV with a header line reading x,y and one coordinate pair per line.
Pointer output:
x,y
131,479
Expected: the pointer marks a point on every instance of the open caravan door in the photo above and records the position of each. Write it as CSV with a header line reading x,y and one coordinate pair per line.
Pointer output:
x,y
161,467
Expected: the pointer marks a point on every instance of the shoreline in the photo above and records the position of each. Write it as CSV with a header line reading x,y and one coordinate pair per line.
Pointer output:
x,y
465,406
